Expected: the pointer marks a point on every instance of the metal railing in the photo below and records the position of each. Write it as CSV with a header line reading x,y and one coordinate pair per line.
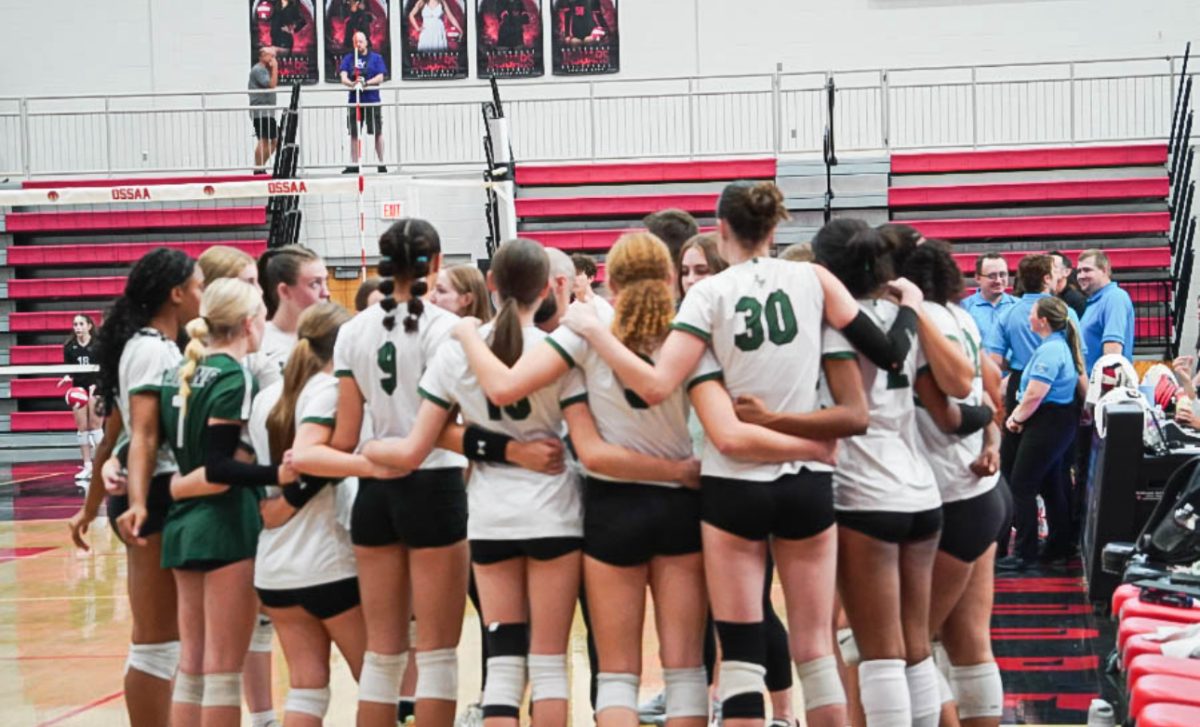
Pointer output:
x,y
779,114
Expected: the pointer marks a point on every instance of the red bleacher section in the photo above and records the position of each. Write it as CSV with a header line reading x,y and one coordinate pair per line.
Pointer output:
x,y
83,272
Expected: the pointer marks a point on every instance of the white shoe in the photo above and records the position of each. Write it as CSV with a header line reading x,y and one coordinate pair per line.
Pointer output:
x,y
471,717
85,472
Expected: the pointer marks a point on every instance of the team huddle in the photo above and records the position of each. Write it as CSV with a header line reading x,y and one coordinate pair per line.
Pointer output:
x,y
336,477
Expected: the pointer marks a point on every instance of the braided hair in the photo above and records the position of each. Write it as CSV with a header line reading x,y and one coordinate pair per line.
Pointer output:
x,y
406,253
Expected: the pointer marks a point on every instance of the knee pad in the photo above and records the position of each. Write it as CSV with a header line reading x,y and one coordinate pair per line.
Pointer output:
x,y
83,438
979,691
945,693
95,436
884,693
922,679
157,660
437,675
223,690
381,677
507,646
313,702
744,647
821,682
616,691
547,677
848,646
686,692
189,688
264,635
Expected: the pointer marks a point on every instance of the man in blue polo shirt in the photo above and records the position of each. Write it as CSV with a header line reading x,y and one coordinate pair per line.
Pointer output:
x,y
1107,324
362,72
990,301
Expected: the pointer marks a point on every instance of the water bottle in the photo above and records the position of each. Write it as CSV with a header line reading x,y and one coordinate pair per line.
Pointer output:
x,y
1100,714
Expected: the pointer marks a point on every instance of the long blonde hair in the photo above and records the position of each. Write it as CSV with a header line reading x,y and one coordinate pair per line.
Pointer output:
x,y
224,307
317,332
1055,312
222,261
639,266
467,280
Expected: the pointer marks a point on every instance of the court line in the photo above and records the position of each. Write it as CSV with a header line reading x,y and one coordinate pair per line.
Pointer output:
x,y
60,598
80,710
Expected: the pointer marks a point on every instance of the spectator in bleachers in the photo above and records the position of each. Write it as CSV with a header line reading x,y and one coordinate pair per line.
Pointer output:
x,y
674,227
988,304
1065,286
362,72
801,252
264,75
1107,324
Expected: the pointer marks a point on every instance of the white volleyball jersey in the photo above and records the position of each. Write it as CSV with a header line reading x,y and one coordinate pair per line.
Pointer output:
x,y
266,364
508,502
387,366
950,455
621,416
148,357
884,468
762,319
312,547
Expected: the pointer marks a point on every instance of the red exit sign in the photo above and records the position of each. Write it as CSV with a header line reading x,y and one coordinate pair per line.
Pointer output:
x,y
392,210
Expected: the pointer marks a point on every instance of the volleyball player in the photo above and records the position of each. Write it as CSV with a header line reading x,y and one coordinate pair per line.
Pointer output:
x,y
136,347
887,501
222,261
762,317
292,279
80,350
962,444
211,532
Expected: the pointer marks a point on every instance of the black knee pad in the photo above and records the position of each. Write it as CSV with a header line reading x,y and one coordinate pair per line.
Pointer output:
x,y
743,666
778,655
507,639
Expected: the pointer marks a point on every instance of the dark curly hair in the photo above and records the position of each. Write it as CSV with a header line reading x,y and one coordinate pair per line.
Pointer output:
x,y
147,289
932,268
406,252
856,254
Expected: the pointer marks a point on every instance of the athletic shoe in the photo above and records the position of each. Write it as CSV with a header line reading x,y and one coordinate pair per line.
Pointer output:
x,y
654,711
1014,563
350,170
472,717
716,713
84,473
382,169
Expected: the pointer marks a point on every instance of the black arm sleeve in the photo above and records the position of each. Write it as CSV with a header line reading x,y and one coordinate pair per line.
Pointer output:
x,y
974,418
885,351
222,469
306,489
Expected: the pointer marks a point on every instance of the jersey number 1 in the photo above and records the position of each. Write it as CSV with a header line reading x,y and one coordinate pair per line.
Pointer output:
x,y
777,314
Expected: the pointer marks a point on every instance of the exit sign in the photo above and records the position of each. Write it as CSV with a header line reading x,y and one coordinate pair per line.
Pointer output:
x,y
391,211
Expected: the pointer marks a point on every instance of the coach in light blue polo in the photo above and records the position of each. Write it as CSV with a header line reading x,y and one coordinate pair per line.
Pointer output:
x,y
1108,321
990,302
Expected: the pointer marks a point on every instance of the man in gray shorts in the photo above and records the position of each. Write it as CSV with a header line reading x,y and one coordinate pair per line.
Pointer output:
x,y
264,75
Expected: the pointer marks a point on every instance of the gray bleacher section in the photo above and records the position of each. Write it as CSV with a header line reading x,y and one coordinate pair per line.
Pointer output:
x,y
859,190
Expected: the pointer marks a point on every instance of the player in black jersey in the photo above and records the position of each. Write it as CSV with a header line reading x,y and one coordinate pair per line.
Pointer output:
x,y
79,349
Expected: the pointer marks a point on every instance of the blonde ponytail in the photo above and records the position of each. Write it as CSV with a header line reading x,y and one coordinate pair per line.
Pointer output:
x,y
193,354
225,306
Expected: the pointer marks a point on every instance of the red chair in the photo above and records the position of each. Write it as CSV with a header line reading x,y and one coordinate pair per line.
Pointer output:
x,y
1137,646
1131,627
1124,592
1165,714
1158,689
1136,607
1149,664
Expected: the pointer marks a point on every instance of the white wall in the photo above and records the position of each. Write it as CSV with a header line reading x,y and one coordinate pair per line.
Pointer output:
x,y
84,46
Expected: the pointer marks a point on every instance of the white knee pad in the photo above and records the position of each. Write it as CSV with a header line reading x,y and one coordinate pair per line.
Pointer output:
x,y
313,702
941,658
616,691
979,691
222,690
189,688
505,684
95,436
686,692
821,682
264,635
437,675
83,438
741,677
157,660
884,692
848,646
945,693
547,676
381,677
922,680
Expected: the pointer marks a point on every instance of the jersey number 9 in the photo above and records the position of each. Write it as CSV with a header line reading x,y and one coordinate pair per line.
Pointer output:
x,y
777,315
386,358
517,411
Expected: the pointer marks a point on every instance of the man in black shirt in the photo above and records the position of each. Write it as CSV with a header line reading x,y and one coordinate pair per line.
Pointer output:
x,y
1063,285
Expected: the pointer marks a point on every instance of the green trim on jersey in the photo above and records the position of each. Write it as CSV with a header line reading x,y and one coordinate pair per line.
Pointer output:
x,y
324,421
146,389
577,399
561,351
702,335
839,356
430,397
710,376
344,374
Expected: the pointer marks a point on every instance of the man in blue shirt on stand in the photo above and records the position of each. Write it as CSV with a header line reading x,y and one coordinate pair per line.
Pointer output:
x,y
362,72
1108,323
990,302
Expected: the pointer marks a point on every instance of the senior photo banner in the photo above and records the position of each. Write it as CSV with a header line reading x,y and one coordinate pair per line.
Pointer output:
x,y
290,27
585,38
508,38
433,40
344,18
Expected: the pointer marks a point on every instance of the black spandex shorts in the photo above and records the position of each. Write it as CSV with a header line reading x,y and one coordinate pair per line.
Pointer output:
x,y
628,524
158,501
970,526
488,552
266,127
322,601
372,117
794,506
426,509
892,527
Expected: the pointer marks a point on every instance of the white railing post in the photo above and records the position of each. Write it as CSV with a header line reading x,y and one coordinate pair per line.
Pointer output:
x,y
396,126
885,107
1071,91
777,110
108,161
204,132
592,118
26,164
691,118
974,110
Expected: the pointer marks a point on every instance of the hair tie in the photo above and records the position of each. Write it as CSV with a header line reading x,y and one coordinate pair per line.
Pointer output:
x,y
385,258
422,259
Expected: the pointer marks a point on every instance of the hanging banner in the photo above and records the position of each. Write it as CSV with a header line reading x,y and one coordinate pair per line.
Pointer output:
x,y
433,41
584,38
508,38
290,27
344,18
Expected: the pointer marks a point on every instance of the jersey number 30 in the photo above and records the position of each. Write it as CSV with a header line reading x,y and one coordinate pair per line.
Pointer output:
x,y
777,316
